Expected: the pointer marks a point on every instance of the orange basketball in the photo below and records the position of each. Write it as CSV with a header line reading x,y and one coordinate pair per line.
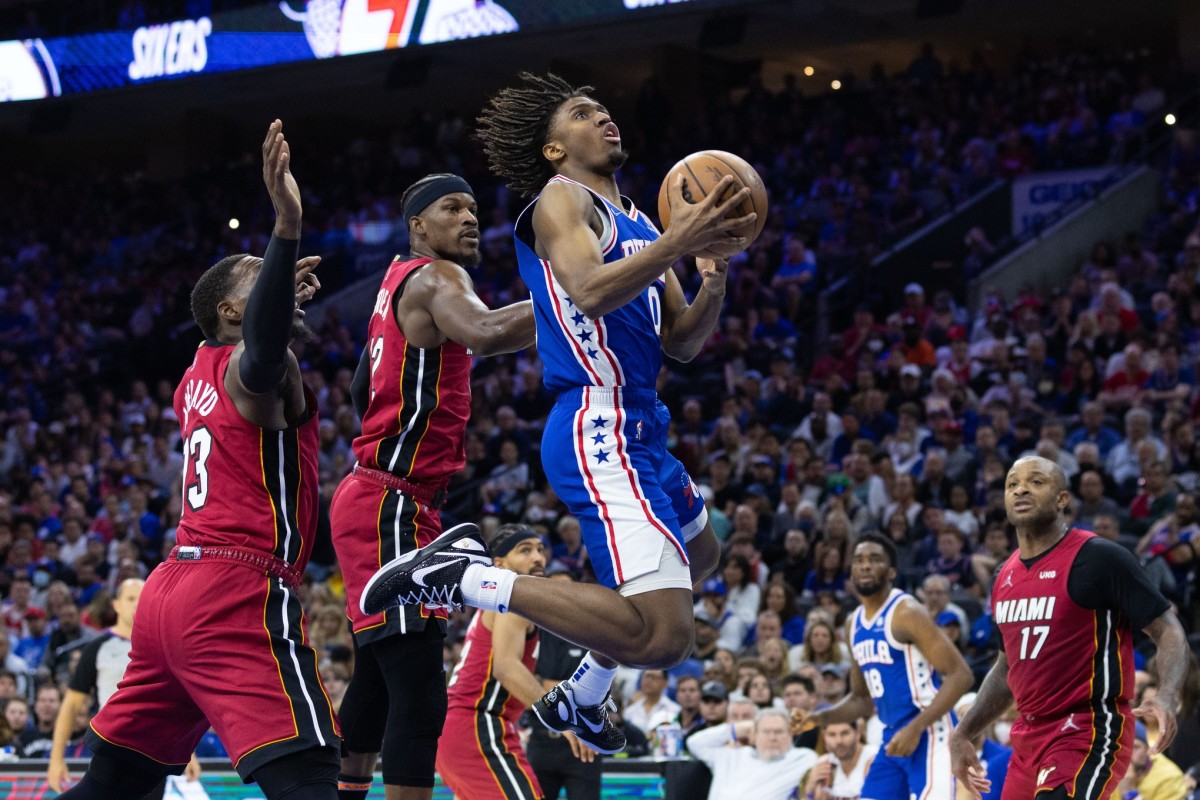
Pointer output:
x,y
701,172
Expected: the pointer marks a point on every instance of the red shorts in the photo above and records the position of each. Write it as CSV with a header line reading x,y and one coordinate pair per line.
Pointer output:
x,y
480,757
1086,755
222,644
373,524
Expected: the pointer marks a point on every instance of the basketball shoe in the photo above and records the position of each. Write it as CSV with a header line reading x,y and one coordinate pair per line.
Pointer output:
x,y
558,711
431,575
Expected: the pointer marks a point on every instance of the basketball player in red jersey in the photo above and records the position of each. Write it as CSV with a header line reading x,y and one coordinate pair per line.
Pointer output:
x,y
480,754
1067,603
412,390
219,635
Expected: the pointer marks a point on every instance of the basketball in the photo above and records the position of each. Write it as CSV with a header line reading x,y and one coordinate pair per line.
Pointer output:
x,y
701,172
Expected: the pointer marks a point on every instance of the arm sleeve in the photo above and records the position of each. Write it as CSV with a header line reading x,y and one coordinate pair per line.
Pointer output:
x,y
83,679
1106,575
267,325
360,384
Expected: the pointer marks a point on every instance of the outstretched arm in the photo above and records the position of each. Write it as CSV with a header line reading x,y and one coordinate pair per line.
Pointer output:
x,y
267,324
439,303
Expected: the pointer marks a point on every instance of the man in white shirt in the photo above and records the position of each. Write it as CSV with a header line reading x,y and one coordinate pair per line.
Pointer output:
x,y
650,707
841,771
771,766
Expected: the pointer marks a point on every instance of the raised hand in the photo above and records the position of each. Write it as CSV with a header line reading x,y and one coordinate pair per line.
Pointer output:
x,y
277,174
696,226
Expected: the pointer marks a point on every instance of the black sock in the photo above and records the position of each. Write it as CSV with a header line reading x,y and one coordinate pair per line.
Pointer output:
x,y
353,787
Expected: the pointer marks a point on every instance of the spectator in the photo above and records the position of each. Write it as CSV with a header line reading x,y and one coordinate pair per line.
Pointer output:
x,y
780,598
687,695
793,566
820,647
742,587
1154,499
952,563
31,648
1122,461
1154,777
771,765
15,666
651,707
935,594
712,607
37,739
843,768
1092,501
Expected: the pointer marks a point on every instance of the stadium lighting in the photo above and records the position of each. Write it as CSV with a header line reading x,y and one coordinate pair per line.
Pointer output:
x,y
808,71
836,85
1169,119
234,224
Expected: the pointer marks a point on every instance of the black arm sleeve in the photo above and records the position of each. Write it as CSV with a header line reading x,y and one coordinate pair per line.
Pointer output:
x,y
267,325
360,384
83,679
1106,575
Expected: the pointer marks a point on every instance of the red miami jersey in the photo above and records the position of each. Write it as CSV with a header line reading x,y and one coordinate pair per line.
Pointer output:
x,y
420,398
1062,658
243,486
474,686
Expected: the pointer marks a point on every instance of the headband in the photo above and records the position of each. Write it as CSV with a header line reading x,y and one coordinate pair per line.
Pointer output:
x,y
502,547
438,187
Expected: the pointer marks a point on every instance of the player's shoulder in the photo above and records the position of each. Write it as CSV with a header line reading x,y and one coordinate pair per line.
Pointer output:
x,y
1104,552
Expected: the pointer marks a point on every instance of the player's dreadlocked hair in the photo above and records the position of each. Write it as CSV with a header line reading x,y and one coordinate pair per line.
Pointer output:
x,y
214,286
514,126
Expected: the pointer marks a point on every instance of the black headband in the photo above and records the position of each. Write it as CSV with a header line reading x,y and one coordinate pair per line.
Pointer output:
x,y
505,545
438,187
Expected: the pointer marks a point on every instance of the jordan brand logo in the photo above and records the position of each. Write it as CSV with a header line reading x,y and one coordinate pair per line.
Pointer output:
x,y
1069,725
1008,579
1043,774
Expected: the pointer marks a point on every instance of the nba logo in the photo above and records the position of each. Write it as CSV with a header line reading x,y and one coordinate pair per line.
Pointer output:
x,y
638,436
488,585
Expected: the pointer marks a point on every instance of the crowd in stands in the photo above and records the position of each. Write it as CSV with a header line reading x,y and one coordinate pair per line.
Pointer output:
x,y
904,421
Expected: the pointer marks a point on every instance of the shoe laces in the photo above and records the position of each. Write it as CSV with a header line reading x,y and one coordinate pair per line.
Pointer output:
x,y
431,597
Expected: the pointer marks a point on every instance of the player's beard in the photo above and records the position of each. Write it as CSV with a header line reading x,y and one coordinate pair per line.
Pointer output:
x,y
301,332
617,159
470,258
1040,520
869,589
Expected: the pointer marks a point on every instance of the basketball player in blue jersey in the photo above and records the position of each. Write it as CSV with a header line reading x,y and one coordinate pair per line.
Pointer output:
x,y
606,307
907,671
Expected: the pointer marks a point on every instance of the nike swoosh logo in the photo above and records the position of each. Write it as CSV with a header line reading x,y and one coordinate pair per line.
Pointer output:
x,y
588,723
419,574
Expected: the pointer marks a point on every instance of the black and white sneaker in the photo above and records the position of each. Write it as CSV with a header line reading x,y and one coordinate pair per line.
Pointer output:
x,y
431,575
558,711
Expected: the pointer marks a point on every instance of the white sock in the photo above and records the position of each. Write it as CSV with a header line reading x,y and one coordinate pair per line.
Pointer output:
x,y
591,682
489,588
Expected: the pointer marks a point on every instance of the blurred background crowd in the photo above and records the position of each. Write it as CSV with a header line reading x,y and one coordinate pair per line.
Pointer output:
x,y
902,416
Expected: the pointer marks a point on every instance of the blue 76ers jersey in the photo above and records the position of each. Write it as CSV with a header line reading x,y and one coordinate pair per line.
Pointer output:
x,y
621,348
899,677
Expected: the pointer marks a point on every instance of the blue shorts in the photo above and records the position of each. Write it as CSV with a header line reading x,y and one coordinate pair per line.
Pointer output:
x,y
605,454
925,775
